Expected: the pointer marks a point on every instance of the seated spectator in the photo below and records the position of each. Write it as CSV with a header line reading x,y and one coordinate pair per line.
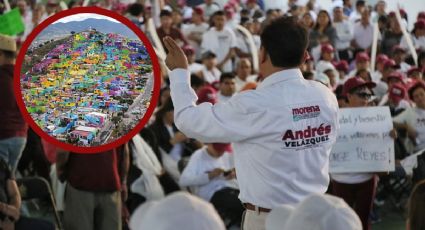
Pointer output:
x,y
397,99
342,68
394,78
399,56
243,73
362,63
212,176
179,210
416,208
227,87
415,74
379,65
167,29
413,119
194,67
10,204
319,212
209,73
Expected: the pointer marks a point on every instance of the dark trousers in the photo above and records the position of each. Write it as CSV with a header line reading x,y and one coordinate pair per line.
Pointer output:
x,y
359,196
228,205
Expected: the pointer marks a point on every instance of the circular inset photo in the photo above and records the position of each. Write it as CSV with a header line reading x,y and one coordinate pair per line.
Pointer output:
x,y
87,79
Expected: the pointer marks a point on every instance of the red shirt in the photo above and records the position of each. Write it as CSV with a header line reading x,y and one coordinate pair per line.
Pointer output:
x,y
97,172
12,124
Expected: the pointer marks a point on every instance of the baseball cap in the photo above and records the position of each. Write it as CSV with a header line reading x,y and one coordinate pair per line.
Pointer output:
x,y
381,58
317,211
420,24
390,63
342,66
327,48
7,43
323,78
181,211
362,56
198,10
207,94
356,82
397,92
222,147
412,70
395,75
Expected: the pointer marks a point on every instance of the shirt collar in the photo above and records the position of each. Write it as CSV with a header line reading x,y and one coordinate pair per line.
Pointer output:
x,y
284,75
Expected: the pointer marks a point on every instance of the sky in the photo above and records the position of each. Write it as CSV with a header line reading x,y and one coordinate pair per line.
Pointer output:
x,y
84,16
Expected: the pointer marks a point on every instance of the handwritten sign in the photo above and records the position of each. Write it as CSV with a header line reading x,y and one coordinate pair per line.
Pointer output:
x,y
364,143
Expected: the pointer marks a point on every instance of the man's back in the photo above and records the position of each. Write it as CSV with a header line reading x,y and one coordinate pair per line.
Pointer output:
x,y
282,134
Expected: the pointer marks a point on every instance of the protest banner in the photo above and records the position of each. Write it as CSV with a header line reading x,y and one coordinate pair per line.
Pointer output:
x,y
364,143
11,23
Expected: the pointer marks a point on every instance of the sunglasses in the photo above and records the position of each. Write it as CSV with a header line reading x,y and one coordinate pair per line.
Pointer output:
x,y
364,95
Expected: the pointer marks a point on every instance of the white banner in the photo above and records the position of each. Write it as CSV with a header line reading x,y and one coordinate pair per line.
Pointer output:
x,y
363,143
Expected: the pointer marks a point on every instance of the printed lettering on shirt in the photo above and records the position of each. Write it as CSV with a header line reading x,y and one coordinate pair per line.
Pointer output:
x,y
308,138
305,112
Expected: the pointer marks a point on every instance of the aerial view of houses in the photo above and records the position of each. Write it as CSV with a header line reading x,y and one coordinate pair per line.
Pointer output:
x,y
89,89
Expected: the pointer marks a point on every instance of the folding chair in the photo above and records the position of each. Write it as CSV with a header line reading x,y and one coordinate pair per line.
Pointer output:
x,y
38,188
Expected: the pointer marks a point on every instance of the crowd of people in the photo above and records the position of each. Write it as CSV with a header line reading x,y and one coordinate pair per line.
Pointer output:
x,y
136,186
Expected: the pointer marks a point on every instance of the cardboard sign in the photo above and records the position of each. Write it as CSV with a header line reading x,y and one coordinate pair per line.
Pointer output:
x,y
11,23
364,143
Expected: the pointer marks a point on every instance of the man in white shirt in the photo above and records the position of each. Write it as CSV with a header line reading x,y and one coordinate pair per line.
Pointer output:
x,y
363,32
243,73
221,40
282,132
344,32
211,174
194,31
227,87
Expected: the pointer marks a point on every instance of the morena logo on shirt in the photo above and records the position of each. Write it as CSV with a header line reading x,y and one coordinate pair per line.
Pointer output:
x,y
308,137
305,112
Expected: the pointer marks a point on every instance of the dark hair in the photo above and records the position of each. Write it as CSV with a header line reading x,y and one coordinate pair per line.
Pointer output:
x,y
308,75
285,41
8,54
135,9
360,3
165,13
218,13
166,107
329,20
339,92
421,56
196,81
227,75
414,88
416,207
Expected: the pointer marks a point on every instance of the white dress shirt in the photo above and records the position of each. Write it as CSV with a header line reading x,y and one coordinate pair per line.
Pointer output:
x,y
363,35
195,174
344,32
282,134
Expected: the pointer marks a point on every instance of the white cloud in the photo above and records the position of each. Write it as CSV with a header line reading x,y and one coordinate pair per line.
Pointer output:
x,y
84,16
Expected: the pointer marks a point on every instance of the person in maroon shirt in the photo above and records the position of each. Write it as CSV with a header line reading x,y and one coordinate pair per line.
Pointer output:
x,y
13,129
96,188
167,29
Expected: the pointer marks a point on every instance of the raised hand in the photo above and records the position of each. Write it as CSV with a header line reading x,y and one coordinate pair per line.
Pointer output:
x,y
175,57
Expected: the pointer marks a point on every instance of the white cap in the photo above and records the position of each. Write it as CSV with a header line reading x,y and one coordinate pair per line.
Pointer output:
x,y
301,3
318,212
179,210
337,3
323,66
321,77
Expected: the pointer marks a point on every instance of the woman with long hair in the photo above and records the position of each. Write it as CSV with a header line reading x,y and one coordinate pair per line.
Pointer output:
x,y
323,27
